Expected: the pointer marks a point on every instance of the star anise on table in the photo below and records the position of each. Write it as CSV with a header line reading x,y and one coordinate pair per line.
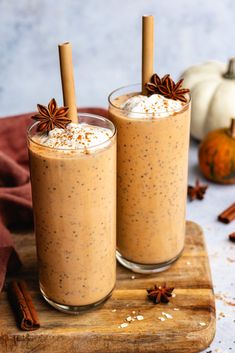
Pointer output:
x,y
51,116
197,192
167,87
160,294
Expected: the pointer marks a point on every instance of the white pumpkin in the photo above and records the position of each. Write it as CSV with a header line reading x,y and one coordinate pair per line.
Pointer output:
x,y
212,86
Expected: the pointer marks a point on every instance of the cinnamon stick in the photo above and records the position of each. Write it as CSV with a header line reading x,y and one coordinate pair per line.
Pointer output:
x,y
232,237
227,215
232,127
22,305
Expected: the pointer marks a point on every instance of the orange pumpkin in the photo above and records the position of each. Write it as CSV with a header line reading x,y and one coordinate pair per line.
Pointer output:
x,y
217,155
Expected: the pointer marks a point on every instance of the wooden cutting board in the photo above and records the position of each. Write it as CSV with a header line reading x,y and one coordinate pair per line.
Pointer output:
x,y
191,328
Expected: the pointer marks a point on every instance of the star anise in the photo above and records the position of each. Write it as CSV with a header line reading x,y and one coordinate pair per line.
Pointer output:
x,y
197,192
167,87
160,294
51,116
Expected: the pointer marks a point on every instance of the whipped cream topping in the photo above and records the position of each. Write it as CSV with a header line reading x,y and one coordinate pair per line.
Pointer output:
x,y
75,136
156,105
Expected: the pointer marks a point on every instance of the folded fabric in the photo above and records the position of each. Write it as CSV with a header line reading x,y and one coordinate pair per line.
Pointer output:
x,y
15,188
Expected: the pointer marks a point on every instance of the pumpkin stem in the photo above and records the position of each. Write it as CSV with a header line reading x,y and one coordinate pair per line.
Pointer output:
x,y
232,128
230,73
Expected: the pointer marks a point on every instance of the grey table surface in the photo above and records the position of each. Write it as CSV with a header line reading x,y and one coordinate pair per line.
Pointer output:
x,y
221,252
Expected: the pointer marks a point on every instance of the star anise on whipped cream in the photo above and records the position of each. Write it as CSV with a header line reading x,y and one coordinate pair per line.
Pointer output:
x,y
51,116
160,294
167,87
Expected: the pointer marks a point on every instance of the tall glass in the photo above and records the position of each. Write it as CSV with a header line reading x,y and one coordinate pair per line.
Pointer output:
x,y
152,183
74,203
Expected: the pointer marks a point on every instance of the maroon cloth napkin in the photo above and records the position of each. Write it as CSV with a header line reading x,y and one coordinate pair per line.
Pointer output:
x,y
15,188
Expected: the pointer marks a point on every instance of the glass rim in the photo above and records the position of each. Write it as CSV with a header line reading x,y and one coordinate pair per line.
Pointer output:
x,y
144,113
83,114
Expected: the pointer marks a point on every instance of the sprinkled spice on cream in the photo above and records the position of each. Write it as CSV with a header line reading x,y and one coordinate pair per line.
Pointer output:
x,y
157,105
75,136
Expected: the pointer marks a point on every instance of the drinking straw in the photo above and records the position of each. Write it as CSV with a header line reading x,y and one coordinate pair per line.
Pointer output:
x,y
67,80
147,50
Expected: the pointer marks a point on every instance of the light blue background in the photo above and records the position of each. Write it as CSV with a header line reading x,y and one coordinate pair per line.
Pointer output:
x,y
106,44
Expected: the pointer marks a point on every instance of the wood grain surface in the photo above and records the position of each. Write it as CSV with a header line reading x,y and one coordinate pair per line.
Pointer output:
x,y
191,329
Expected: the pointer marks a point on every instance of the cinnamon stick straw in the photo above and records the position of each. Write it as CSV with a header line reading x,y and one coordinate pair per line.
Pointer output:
x,y
147,50
67,80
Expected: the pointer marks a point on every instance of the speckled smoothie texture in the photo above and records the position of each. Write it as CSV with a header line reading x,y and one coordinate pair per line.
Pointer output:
x,y
152,184
74,201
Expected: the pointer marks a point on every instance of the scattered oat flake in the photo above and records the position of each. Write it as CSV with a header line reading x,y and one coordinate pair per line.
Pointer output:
x,y
129,318
168,316
161,318
139,317
225,299
133,277
221,314
114,310
125,324
230,260
202,323
188,263
133,312
230,303
173,295
176,309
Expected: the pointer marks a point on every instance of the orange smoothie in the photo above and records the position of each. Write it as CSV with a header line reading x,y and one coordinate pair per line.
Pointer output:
x,y
74,200
152,183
